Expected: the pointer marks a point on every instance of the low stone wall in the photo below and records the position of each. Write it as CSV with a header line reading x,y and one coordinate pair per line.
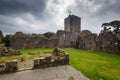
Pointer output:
x,y
54,58
9,66
2,67
50,61
58,57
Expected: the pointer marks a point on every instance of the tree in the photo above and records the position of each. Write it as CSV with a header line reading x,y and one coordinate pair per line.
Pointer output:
x,y
1,37
49,34
106,27
6,40
116,26
113,24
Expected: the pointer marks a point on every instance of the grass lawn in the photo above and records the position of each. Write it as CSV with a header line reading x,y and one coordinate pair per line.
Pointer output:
x,y
25,54
93,64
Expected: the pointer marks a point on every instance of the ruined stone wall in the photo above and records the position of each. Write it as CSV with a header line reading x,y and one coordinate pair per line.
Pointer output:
x,y
66,38
90,41
21,40
87,40
107,42
61,37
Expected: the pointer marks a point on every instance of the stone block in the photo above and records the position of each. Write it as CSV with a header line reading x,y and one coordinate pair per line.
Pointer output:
x,y
11,66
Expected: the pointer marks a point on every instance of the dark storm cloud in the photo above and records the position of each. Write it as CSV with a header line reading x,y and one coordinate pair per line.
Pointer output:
x,y
12,9
109,6
39,15
8,24
22,6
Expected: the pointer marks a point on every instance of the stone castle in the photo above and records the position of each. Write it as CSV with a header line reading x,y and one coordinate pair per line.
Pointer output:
x,y
63,38
71,36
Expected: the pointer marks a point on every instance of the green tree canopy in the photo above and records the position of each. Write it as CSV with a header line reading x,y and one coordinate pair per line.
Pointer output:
x,y
49,34
6,40
106,27
1,37
116,26
113,24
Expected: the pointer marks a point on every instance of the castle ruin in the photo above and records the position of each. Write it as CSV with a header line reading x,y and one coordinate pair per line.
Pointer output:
x,y
68,36
63,38
71,36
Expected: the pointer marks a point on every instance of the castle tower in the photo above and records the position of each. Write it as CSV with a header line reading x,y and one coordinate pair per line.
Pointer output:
x,y
72,28
72,23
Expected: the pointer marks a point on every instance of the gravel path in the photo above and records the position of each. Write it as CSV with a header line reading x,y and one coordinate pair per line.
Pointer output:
x,y
51,73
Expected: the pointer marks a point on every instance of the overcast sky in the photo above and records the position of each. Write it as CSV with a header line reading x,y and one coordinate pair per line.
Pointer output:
x,y
39,16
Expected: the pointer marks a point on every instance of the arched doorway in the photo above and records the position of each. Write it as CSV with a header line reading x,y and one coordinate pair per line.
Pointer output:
x,y
72,44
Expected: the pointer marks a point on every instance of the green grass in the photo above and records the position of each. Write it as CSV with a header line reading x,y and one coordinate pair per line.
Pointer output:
x,y
25,54
71,78
93,64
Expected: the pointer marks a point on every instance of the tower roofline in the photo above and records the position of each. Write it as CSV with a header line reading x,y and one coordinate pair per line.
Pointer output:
x,y
71,16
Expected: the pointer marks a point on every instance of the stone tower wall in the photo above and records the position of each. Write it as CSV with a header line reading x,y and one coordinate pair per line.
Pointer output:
x,y
72,23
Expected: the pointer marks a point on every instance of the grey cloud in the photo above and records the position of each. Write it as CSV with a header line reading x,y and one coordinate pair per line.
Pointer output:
x,y
35,10
9,25
108,11
108,7
11,9
8,7
56,1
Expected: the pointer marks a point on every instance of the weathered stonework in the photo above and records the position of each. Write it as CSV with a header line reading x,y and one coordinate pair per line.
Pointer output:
x,y
21,40
71,36
58,57
11,66
86,40
66,38
72,24
63,38
4,51
107,42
